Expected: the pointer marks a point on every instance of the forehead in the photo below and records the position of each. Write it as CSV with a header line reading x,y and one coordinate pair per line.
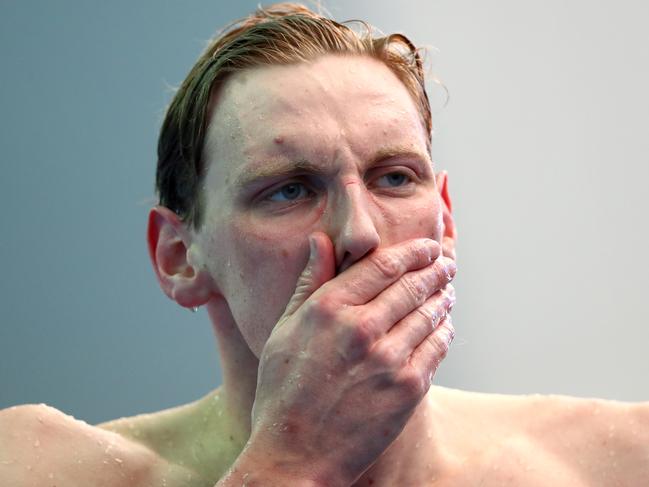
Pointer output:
x,y
315,110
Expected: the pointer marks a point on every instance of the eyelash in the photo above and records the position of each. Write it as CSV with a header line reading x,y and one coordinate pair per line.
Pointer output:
x,y
267,198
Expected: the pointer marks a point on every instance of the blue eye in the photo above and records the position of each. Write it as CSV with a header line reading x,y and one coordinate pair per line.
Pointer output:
x,y
290,192
396,179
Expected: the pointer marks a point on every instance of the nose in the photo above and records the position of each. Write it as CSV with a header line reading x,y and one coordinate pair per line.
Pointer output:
x,y
354,229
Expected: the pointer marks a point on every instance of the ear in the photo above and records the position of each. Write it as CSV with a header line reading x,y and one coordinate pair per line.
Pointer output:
x,y
169,243
449,234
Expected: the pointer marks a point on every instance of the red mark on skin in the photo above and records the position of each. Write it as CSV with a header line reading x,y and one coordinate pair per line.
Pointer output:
x,y
350,182
284,253
279,139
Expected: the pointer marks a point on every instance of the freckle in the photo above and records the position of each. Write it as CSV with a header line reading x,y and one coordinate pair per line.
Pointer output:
x,y
420,224
287,361
279,139
284,253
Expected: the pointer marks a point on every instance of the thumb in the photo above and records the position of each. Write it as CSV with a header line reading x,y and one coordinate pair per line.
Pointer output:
x,y
319,269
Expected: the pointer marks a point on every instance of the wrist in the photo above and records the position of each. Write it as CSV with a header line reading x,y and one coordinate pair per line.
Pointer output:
x,y
257,468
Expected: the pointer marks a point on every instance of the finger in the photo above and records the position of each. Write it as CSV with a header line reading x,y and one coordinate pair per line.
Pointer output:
x,y
365,279
406,335
407,295
433,349
320,268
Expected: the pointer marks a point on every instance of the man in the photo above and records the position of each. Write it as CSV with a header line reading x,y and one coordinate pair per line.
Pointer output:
x,y
300,206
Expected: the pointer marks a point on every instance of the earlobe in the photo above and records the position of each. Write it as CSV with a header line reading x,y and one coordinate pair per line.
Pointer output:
x,y
168,243
449,235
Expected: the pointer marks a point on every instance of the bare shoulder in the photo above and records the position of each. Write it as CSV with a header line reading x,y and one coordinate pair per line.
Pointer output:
x,y
605,438
546,439
582,441
40,445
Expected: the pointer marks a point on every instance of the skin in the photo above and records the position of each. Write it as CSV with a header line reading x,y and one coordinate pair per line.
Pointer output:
x,y
250,276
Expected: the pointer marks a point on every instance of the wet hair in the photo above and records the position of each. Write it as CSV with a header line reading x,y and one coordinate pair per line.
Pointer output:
x,y
279,34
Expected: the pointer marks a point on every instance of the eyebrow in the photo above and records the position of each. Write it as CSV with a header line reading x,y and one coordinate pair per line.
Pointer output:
x,y
282,168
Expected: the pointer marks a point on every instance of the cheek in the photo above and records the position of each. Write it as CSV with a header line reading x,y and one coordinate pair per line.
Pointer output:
x,y
261,279
414,219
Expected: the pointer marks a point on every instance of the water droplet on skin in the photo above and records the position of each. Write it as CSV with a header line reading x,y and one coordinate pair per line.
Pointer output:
x,y
118,460
611,431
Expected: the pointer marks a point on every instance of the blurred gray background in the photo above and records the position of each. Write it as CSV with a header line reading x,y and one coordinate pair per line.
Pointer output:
x,y
545,136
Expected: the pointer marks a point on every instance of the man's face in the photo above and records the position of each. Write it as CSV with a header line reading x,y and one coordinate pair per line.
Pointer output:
x,y
335,146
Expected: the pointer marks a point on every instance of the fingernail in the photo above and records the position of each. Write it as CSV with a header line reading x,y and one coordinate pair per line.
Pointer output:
x,y
431,246
451,267
450,334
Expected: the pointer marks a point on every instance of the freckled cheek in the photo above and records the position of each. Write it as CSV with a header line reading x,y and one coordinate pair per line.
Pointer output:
x,y
266,260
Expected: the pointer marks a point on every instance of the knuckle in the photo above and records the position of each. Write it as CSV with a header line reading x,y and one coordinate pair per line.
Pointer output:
x,y
364,329
444,270
413,385
439,344
414,288
387,264
428,315
321,309
358,335
386,357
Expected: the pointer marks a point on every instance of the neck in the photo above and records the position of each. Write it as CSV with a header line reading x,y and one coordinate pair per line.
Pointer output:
x,y
414,458
239,370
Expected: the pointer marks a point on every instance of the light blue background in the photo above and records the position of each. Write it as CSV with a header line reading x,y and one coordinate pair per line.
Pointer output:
x,y
545,137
